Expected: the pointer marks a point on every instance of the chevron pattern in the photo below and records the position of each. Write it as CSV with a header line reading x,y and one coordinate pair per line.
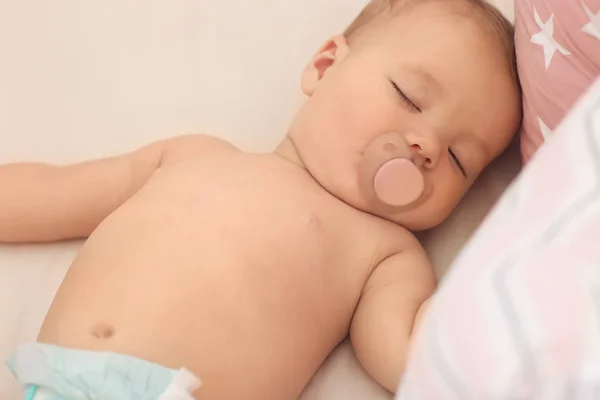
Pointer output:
x,y
518,315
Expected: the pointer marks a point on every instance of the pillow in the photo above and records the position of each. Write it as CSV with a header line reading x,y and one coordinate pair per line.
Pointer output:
x,y
558,56
516,316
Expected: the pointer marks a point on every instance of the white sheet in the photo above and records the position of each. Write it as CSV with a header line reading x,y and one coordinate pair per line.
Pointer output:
x,y
89,79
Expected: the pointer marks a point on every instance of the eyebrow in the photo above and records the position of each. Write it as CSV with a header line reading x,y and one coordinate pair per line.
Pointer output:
x,y
430,83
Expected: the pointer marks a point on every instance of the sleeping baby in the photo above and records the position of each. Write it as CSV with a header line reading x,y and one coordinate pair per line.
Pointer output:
x,y
210,273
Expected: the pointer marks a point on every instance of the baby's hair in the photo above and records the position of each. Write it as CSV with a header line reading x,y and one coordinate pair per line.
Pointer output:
x,y
488,17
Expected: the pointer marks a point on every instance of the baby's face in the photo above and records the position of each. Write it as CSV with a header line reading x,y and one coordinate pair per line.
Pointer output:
x,y
431,77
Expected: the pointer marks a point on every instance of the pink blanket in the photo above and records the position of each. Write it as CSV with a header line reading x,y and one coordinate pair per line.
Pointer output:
x,y
518,315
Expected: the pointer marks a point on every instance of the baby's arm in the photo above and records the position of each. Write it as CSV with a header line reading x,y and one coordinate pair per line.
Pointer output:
x,y
41,203
391,306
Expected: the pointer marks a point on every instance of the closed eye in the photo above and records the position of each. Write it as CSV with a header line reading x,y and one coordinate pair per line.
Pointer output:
x,y
405,98
457,162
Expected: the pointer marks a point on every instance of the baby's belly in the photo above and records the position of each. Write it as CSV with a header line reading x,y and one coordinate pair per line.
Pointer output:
x,y
248,330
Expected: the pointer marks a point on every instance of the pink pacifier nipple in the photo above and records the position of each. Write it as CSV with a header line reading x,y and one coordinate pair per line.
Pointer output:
x,y
388,177
398,182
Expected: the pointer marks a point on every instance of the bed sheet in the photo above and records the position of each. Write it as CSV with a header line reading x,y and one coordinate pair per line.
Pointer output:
x,y
91,79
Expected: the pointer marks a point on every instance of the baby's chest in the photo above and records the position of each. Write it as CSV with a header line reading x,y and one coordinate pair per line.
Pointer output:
x,y
240,193
259,210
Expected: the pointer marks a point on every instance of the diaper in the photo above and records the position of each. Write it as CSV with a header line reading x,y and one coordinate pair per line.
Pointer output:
x,y
49,372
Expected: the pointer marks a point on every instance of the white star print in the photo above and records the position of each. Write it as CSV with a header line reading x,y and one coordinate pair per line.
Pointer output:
x,y
593,27
545,38
546,132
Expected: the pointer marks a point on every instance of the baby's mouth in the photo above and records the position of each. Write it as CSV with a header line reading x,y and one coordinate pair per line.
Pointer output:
x,y
389,177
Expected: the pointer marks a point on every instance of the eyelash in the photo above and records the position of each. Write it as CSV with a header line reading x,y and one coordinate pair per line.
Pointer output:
x,y
404,98
457,162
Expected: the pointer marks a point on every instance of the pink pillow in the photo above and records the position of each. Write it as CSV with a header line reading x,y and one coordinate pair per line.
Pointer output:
x,y
558,55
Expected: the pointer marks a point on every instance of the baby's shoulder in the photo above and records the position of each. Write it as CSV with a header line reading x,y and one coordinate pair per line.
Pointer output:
x,y
403,262
185,147
398,239
389,239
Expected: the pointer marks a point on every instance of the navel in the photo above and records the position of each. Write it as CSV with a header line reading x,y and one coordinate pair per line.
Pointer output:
x,y
103,331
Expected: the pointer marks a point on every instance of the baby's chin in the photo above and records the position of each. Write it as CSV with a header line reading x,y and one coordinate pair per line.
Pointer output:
x,y
412,220
417,224
417,219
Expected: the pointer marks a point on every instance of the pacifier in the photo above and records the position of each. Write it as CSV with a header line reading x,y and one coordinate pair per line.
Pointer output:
x,y
388,177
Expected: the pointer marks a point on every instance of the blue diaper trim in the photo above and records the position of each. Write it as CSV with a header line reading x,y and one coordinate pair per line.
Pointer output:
x,y
31,392
87,375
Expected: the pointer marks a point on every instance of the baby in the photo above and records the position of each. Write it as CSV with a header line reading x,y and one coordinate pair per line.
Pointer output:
x,y
243,271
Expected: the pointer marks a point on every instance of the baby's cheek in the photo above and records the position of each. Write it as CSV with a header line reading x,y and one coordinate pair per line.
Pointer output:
x,y
361,108
445,198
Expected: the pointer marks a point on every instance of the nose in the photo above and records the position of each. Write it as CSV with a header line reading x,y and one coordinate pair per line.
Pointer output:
x,y
426,149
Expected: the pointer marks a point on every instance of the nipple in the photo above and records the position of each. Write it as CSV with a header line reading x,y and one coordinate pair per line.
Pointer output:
x,y
388,177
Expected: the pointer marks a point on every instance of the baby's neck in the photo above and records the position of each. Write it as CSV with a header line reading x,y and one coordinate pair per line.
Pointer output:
x,y
288,151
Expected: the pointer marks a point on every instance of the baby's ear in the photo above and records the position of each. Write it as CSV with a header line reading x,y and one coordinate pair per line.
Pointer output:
x,y
332,52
